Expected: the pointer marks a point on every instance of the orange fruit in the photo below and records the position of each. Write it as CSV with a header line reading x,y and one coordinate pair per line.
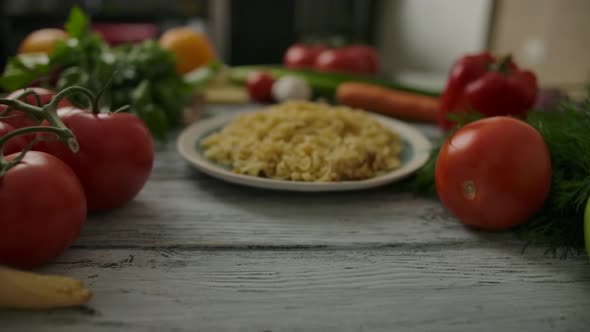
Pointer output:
x,y
41,41
191,48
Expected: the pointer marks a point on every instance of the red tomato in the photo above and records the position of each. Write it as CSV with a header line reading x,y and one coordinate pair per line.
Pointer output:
x,y
494,173
259,86
43,210
368,55
15,144
115,158
340,60
302,56
19,119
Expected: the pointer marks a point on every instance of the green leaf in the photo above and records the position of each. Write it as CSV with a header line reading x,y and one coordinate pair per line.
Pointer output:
x,y
21,70
77,23
155,119
200,77
141,94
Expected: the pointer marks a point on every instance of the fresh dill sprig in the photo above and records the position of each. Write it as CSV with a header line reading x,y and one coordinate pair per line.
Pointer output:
x,y
422,182
566,131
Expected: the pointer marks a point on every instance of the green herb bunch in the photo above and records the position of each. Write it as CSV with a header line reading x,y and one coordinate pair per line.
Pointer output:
x,y
141,75
559,224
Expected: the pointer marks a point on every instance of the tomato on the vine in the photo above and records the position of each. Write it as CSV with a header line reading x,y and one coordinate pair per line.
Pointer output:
x,y
340,60
43,210
302,56
494,173
368,54
15,144
18,119
115,157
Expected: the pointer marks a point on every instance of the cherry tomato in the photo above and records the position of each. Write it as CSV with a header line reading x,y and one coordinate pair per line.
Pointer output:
x,y
340,60
43,210
15,144
259,86
302,56
18,119
368,55
494,173
115,158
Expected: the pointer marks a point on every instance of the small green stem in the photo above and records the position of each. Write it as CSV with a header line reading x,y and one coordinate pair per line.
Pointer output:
x,y
121,109
502,66
75,89
22,106
48,112
30,93
20,97
64,135
106,85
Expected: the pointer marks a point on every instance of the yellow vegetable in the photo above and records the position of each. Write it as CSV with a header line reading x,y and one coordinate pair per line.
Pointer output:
x,y
27,290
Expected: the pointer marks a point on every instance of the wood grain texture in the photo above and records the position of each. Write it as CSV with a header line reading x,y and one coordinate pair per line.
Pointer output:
x,y
471,288
202,211
192,253
184,208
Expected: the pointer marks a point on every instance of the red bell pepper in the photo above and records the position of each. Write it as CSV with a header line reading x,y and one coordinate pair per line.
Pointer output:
x,y
487,85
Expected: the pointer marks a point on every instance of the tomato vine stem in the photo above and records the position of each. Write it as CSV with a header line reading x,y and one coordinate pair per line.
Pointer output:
x,y
25,93
39,113
71,90
64,134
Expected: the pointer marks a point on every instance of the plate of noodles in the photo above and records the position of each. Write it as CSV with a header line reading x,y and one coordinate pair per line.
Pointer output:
x,y
305,146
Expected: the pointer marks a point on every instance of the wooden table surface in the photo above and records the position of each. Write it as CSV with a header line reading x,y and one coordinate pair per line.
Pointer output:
x,y
192,253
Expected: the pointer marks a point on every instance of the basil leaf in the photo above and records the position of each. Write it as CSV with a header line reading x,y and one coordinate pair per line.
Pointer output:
x,y
77,23
21,70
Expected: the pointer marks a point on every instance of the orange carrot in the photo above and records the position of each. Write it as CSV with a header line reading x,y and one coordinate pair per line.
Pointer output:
x,y
399,104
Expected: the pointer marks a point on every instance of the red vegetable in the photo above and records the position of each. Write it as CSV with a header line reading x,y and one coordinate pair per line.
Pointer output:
x,y
15,144
259,86
301,56
368,54
340,60
115,158
359,59
18,119
43,210
494,173
488,85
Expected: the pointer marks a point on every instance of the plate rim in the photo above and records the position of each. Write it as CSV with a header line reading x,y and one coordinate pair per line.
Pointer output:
x,y
185,146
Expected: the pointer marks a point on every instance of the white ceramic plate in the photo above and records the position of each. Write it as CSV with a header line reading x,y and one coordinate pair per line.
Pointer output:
x,y
416,151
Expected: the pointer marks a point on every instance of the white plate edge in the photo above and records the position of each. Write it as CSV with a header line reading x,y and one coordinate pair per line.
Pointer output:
x,y
186,148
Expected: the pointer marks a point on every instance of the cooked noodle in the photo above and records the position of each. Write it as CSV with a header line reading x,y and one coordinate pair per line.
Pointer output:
x,y
305,141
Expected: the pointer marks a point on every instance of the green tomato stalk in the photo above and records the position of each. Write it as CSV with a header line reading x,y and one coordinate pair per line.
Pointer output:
x,y
21,97
47,112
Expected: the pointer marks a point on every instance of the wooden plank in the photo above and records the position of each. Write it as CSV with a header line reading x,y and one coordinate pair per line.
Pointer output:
x,y
477,288
206,212
182,207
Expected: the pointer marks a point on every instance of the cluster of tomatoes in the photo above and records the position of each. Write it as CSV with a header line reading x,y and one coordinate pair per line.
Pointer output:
x,y
356,58
46,196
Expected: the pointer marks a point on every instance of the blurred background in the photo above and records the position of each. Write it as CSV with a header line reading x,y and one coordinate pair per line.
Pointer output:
x,y
417,39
